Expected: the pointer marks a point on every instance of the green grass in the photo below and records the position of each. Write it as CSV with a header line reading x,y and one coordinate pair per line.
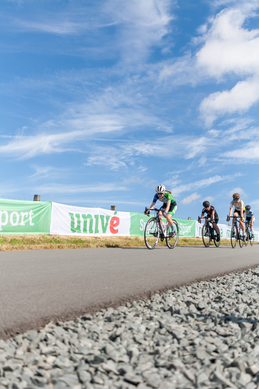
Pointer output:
x,y
46,242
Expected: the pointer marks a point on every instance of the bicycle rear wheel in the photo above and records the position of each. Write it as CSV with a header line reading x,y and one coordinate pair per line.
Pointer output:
x,y
151,234
234,236
172,237
206,235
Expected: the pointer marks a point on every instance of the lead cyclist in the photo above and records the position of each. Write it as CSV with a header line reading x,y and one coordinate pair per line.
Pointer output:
x,y
169,206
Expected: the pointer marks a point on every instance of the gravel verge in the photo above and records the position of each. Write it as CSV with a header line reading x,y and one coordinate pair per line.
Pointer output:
x,y
201,336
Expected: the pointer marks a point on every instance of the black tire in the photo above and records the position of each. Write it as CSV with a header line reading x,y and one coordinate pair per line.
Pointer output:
x,y
241,238
246,237
206,235
252,241
234,236
171,241
151,234
216,242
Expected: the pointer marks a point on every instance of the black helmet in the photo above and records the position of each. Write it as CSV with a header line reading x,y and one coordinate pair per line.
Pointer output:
x,y
248,207
206,204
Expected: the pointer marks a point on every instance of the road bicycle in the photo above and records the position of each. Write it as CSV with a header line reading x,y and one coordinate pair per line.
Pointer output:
x,y
208,233
156,229
248,234
236,234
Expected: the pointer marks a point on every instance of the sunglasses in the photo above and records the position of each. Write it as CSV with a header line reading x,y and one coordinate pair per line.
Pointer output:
x,y
159,194
235,199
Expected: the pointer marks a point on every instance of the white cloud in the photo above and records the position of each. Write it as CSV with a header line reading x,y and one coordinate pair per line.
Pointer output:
x,y
237,190
240,98
63,188
178,189
191,198
230,49
148,19
208,198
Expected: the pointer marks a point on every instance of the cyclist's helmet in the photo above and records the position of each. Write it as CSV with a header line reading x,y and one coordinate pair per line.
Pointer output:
x,y
206,204
248,207
236,196
160,188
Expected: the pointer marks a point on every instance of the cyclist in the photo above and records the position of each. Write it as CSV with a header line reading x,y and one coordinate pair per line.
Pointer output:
x,y
212,214
239,210
169,206
250,218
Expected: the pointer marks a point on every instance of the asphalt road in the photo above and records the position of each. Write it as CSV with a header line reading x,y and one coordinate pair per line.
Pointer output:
x,y
37,287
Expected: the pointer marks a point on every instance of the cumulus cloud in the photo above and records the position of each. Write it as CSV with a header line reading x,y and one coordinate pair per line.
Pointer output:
x,y
189,199
240,98
230,48
237,190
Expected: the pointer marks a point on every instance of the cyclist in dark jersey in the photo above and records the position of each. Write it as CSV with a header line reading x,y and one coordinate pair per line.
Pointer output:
x,y
212,214
169,206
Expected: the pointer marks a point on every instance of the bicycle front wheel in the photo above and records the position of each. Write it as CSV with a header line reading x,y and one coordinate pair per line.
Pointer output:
x,y
252,241
246,237
216,242
234,236
206,236
151,234
241,237
172,236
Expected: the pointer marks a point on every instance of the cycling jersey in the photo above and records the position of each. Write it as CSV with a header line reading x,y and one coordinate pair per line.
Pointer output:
x,y
209,212
238,205
165,198
249,214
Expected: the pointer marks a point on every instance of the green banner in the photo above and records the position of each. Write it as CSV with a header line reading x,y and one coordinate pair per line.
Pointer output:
x,y
25,217
138,223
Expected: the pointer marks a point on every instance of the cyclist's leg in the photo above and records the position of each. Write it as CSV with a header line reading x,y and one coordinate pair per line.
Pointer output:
x,y
170,215
215,226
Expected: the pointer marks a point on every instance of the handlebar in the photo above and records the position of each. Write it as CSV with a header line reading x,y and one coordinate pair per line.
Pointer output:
x,y
151,209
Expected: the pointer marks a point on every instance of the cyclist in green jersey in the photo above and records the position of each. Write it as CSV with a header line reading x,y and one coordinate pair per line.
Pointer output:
x,y
169,206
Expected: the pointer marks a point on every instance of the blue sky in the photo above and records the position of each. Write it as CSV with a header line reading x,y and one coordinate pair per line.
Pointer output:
x,y
103,100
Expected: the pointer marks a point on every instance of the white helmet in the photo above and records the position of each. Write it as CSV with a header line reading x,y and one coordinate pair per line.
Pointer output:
x,y
160,188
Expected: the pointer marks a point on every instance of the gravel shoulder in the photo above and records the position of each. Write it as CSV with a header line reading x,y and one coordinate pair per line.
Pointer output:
x,y
205,335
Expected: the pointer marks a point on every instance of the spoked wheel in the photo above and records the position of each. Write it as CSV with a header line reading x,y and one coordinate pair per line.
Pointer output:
x,y
234,236
206,236
252,241
216,242
242,237
246,237
172,236
151,234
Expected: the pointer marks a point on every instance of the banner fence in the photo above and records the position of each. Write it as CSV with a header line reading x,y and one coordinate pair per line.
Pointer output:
x,y
39,217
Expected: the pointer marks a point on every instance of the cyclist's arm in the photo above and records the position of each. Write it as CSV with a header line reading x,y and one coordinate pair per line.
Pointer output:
x,y
230,211
213,215
200,218
152,205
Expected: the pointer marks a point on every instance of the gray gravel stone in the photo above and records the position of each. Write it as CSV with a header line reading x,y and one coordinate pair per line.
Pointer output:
x,y
205,335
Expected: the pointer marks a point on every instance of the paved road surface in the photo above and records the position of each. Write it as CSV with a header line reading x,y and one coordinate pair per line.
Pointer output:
x,y
39,286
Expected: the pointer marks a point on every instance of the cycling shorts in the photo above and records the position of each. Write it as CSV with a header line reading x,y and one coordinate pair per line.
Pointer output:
x,y
172,209
237,213
248,219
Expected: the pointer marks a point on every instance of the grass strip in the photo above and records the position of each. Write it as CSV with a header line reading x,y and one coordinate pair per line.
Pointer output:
x,y
52,242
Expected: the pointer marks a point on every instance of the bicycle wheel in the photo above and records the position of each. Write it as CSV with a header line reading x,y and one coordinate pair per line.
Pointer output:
x,y
206,235
234,236
151,234
172,237
241,238
246,237
216,242
252,241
